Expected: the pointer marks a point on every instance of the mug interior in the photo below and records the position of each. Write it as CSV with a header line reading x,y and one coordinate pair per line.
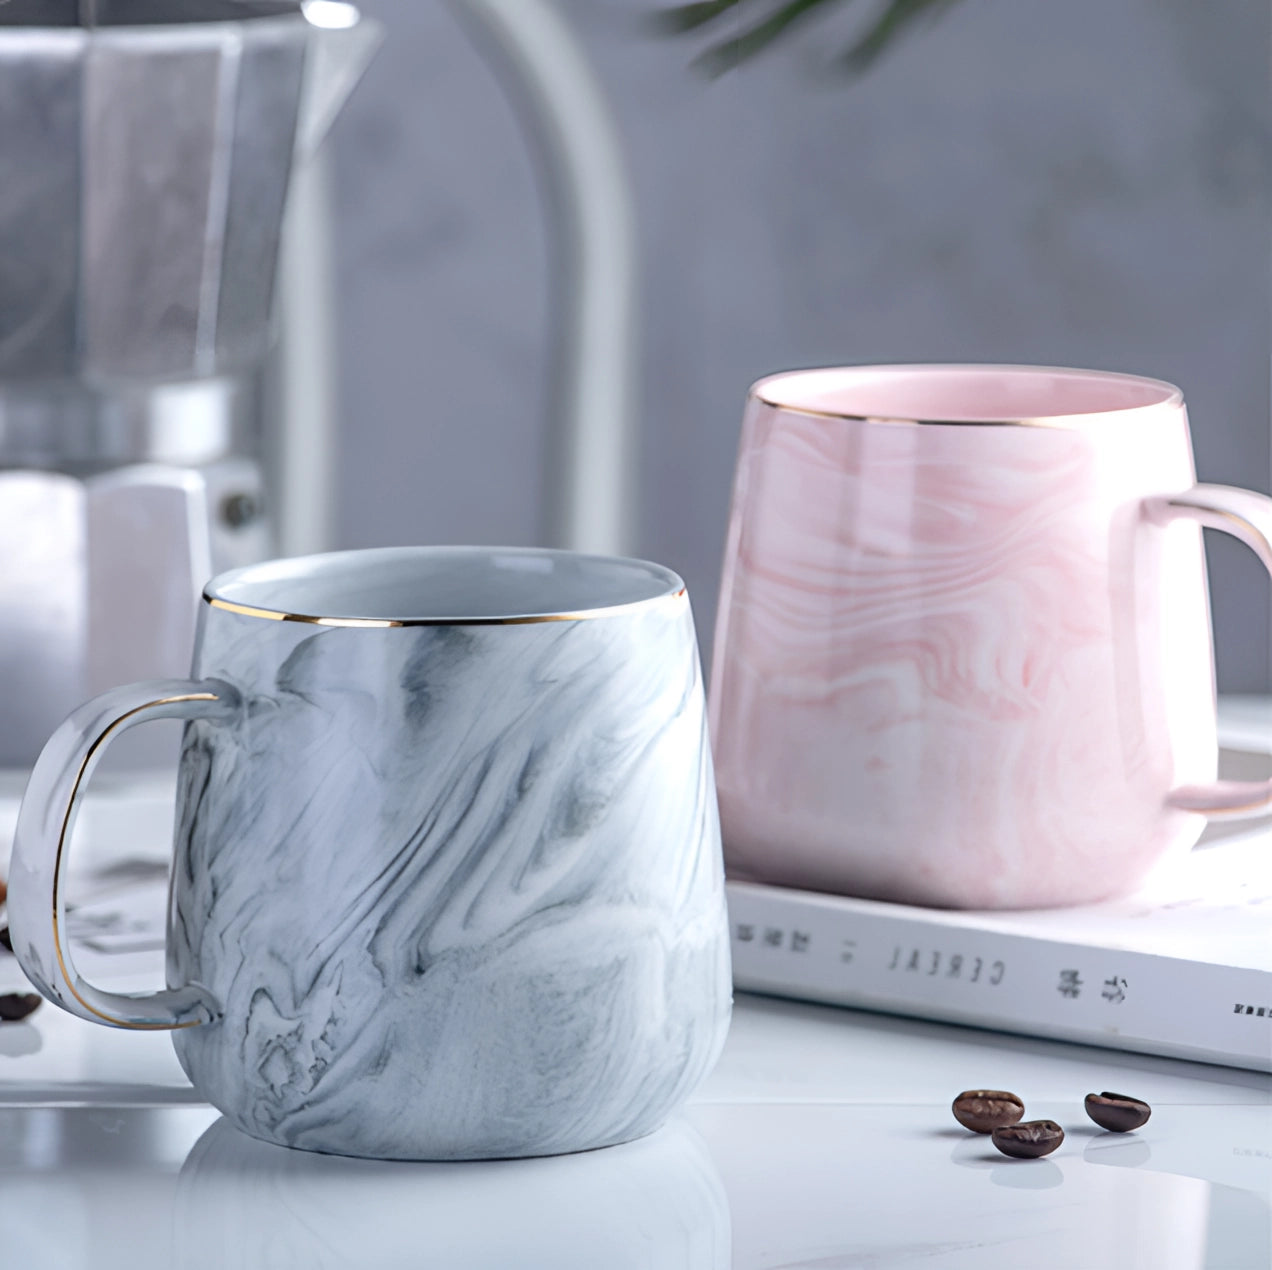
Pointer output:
x,y
963,394
422,585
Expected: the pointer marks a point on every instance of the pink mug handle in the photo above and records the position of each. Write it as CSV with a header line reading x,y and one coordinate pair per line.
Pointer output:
x,y
1247,516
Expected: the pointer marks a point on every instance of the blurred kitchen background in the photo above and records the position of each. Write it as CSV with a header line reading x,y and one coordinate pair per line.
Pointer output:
x,y
1087,183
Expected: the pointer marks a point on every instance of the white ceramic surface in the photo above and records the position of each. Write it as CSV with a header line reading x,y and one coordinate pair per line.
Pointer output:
x,y
822,1141
963,652
447,877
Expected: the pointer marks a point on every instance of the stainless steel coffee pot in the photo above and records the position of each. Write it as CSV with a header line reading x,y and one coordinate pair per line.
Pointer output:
x,y
146,151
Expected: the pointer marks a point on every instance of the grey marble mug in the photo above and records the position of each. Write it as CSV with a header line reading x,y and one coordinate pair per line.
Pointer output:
x,y
447,878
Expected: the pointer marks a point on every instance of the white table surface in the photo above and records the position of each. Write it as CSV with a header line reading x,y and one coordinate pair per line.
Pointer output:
x,y
823,1140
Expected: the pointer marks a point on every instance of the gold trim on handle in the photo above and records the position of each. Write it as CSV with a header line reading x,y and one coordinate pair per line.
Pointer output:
x,y
366,623
1178,800
1224,521
1194,506
61,846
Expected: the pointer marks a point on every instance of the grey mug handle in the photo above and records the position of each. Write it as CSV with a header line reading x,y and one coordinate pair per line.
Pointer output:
x,y
37,900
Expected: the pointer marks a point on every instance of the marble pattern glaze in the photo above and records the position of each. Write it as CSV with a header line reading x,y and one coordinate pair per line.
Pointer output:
x,y
456,890
960,665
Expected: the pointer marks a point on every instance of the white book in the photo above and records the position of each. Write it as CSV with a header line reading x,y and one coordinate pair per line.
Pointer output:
x,y
1182,968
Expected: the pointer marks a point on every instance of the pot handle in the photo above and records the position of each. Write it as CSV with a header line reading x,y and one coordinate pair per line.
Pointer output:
x,y
1247,516
37,902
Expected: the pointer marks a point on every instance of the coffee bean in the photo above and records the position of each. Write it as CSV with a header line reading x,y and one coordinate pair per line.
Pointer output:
x,y
984,1110
6,941
17,1005
1118,1113
1030,1140
4,891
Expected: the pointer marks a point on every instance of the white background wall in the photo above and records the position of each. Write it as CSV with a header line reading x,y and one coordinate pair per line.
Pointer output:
x,y
1084,183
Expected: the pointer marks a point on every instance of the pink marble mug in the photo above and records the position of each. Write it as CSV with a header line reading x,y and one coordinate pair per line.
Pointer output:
x,y
963,654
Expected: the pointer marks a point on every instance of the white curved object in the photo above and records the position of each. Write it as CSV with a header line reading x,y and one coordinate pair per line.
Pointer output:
x,y
590,484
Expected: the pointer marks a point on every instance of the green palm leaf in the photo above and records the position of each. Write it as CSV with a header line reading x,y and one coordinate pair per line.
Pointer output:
x,y
881,34
891,24
688,17
742,47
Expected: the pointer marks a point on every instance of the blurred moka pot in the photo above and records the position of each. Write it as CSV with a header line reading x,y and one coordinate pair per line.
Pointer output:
x,y
146,151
